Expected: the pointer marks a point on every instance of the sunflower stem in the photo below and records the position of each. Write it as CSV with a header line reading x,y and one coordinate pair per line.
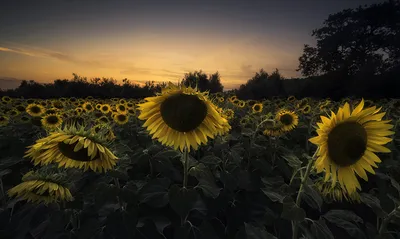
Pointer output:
x,y
185,167
385,221
304,178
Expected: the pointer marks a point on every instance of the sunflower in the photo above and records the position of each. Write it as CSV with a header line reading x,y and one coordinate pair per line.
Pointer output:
x,y
228,113
6,99
88,107
273,128
306,109
73,148
130,105
3,120
58,104
98,106
106,108
13,112
122,101
291,98
347,143
24,119
104,130
220,99
132,111
121,118
20,108
35,110
257,108
38,188
79,111
251,103
182,117
51,111
335,192
51,121
103,119
75,121
232,98
121,108
244,121
288,119
241,104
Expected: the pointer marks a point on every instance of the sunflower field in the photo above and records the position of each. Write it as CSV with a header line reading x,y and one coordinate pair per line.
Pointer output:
x,y
189,164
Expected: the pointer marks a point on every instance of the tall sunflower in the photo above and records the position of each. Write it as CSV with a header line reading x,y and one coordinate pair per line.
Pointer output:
x,y
273,128
288,119
37,187
347,143
121,118
73,148
182,117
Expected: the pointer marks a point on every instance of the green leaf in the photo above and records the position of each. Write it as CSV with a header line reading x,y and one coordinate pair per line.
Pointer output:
x,y
273,196
293,161
321,230
253,232
210,160
312,197
395,184
168,154
155,192
184,200
118,174
291,211
154,149
119,224
345,219
374,203
4,172
247,132
166,168
206,180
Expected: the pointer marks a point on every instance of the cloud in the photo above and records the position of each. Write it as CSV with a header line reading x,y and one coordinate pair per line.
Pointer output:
x,y
135,70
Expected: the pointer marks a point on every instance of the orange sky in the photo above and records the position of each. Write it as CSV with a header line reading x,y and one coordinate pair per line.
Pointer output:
x,y
156,40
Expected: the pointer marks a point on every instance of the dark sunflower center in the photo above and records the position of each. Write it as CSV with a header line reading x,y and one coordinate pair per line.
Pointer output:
x,y
121,118
20,108
286,119
68,151
183,112
104,108
89,107
347,143
52,119
35,109
257,107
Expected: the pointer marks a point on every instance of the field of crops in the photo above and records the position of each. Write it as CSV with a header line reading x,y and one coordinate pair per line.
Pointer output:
x,y
185,164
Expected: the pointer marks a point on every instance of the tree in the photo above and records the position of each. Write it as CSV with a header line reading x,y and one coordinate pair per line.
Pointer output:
x,y
215,83
355,40
203,83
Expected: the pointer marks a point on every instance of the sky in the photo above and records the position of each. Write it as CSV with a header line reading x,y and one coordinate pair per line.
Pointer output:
x,y
158,40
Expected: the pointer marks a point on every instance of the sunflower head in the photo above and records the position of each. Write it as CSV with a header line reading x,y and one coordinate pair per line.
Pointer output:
x,y
3,120
87,106
106,108
273,128
306,109
228,113
20,108
51,111
182,117
257,108
291,98
347,143
73,147
121,108
13,112
42,187
35,110
6,99
51,121
121,118
288,119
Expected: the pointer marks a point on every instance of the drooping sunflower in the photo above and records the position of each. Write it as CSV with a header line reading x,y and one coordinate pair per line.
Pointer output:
x,y
13,113
35,110
182,117
347,143
288,119
232,98
335,192
103,120
3,120
257,108
73,148
121,118
291,98
51,121
42,188
273,128
241,104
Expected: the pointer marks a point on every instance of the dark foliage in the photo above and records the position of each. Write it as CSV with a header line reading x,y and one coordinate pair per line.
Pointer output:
x,y
203,82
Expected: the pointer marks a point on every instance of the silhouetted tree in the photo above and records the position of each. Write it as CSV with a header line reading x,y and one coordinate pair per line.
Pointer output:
x,y
203,83
355,40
